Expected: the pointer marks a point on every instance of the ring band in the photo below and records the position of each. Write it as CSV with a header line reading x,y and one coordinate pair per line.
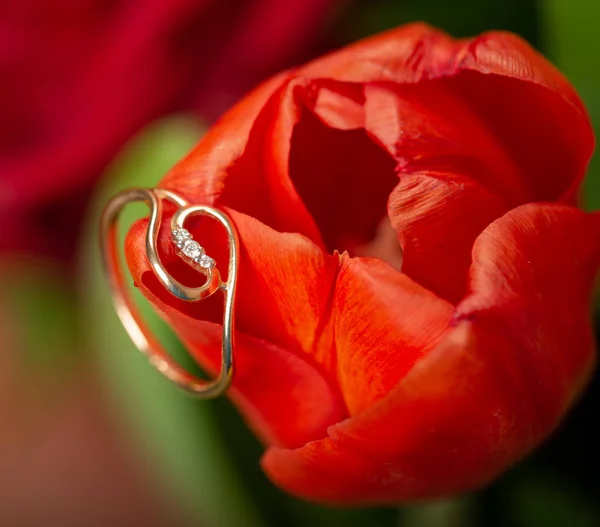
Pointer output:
x,y
191,251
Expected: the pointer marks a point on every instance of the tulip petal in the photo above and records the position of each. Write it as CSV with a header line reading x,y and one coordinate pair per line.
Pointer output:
x,y
520,350
530,107
231,166
292,280
282,395
438,217
544,258
284,339
426,126
385,323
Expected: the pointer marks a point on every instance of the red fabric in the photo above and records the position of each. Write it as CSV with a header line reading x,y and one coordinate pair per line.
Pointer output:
x,y
79,77
374,385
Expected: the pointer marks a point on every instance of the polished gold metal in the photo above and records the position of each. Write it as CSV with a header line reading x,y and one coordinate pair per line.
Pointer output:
x,y
128,312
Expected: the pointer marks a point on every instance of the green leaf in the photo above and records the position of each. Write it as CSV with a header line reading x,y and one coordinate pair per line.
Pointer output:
x,y
176,432
571,41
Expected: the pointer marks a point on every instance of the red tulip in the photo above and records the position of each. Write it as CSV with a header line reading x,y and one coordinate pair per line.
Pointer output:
x,y
368,384
79,77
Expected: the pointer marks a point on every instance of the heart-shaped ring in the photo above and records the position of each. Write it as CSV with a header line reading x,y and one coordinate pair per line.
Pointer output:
x,y
193,253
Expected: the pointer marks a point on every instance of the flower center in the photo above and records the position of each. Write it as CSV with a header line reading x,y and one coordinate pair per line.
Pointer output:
x,y
344,179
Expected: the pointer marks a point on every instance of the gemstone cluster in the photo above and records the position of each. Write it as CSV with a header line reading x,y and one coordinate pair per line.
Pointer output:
x,y
191,248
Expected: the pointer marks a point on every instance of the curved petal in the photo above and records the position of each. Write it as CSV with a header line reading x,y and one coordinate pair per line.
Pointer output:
x,y
519,352
385,323
527,104
416,52
427,126
284,339
285,282
438,217
542,259
406,54
231,166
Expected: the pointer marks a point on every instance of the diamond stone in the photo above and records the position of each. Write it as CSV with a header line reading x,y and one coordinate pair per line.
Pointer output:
x,y
192,249
206,261
181,235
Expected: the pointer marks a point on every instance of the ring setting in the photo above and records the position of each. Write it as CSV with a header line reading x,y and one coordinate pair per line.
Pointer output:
x,y
191,249
187,248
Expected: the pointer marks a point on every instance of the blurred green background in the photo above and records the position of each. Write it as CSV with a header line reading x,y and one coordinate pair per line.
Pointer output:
x,y
202,460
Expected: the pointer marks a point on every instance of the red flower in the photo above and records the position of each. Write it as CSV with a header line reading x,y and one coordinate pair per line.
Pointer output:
x,y
79,77
370,385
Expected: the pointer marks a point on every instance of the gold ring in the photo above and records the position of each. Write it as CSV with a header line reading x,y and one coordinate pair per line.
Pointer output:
x,y
193,253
